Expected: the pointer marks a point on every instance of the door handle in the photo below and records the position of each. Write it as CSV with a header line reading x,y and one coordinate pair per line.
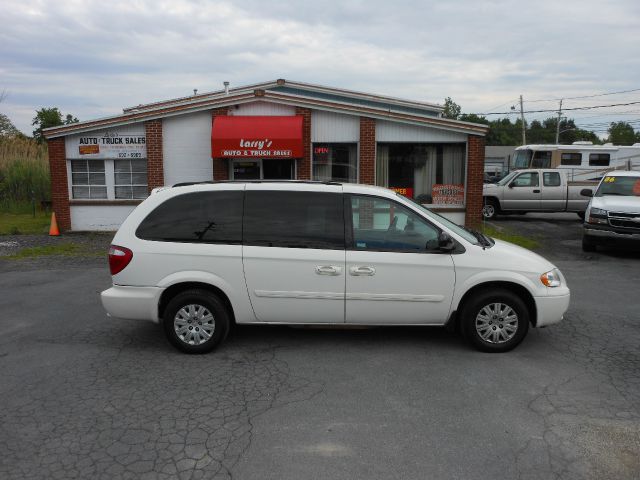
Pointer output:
x,y
359,271
536,191
328,270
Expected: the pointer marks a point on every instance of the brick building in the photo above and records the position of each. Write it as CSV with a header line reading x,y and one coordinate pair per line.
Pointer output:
x,y
101,169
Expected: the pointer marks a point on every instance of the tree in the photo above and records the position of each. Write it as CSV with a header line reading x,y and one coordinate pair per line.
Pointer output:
x,y
621,133
451,109
47,118
7,128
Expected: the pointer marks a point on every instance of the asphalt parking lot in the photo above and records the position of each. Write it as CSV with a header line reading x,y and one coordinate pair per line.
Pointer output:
x,y
86,396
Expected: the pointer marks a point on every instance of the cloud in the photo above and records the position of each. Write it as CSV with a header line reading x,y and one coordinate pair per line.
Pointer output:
x,y
92,58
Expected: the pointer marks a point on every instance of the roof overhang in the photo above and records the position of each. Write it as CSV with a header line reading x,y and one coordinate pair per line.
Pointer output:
x,y
171,109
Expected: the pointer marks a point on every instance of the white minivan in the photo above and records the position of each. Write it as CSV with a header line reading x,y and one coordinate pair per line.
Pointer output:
x,y
199,258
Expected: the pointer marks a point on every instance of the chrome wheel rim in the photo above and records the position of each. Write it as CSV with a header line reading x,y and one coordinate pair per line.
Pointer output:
x,y
194,324
488,211
496,323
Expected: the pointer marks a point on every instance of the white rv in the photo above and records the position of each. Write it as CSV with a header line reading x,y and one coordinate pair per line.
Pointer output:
x,y
581,160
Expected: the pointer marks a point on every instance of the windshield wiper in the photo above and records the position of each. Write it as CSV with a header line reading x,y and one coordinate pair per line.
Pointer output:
x,y
484,240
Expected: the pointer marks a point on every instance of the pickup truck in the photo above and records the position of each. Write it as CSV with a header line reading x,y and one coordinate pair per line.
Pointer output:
x,y
613,216
535,190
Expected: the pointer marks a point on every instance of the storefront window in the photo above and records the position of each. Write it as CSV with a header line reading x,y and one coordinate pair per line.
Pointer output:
x,y
335,162
88,179
427,173
130,178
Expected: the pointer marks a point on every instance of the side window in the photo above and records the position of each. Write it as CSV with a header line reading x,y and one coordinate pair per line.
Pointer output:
x,y
200,217
572,159
294,219
529,179
541,160
599,159
551,179
381,224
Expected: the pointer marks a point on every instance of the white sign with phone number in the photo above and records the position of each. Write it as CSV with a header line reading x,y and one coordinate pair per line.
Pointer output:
x,y
122,142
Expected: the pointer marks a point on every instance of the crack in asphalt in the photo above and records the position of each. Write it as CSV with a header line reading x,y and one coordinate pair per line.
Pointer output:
x,y
590,420
129,411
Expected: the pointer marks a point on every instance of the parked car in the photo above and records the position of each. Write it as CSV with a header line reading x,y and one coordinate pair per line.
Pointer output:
x,y
613,215
535,190
200,258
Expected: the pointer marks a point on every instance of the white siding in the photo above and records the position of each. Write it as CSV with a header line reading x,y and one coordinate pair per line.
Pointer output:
x,y
263,108
327,127
186,146
400,132
97,217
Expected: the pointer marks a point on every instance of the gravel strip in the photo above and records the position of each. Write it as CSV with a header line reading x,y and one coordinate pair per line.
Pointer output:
x,y
91,244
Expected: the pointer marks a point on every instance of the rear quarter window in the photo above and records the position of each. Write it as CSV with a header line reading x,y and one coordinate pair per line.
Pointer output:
x,y
199,217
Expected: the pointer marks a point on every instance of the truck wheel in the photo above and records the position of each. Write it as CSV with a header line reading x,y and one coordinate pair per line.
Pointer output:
x,y
490,209
495,320
196,321
581,215
588,245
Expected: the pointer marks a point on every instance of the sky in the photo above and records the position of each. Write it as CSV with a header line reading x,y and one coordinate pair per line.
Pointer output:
x,y
93,58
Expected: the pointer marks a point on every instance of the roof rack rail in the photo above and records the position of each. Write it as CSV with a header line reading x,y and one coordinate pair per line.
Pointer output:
x,y
210,182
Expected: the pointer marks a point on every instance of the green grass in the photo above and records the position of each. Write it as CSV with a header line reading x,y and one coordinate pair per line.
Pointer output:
x,y
24,223
61,249
509,236
66,249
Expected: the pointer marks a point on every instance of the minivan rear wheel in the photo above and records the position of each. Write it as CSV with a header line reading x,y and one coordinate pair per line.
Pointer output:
x,y
196,321
495,321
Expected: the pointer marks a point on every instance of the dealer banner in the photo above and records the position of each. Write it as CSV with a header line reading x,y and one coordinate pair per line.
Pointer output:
x,y
123,142
448,194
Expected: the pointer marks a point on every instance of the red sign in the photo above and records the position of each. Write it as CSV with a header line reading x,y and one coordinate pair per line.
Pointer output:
x,y
448,194
406,191
256,137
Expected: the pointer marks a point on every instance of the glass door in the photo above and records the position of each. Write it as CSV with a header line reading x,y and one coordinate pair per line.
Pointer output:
x,y
246,170
267,169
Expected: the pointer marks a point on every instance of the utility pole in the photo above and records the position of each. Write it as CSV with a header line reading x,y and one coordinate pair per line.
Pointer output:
x,y
524,128
558,125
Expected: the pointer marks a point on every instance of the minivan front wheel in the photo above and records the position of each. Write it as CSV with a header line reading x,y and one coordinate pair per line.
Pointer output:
x,y
196,321
495,321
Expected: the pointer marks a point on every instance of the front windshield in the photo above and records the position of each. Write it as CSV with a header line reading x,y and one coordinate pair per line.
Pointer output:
x,y
454,227
522,158
625,186
507,179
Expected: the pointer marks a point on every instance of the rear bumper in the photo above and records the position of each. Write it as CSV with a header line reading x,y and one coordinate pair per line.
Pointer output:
x,y
136,303
551,309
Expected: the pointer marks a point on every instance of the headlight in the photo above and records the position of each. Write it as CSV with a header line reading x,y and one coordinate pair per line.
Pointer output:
x,y
597,215
552,278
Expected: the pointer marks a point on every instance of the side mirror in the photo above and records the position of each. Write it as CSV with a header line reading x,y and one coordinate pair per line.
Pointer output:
x,y
586,192
512,184
445,242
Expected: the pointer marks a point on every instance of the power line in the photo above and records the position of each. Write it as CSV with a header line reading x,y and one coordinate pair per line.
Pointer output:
x,y
584,96
566,109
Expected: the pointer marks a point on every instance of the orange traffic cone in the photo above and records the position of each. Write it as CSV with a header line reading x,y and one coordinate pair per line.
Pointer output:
x,y
53,230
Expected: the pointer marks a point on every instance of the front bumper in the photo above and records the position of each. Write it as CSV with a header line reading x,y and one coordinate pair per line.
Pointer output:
x,y
551,309
608,234
136,303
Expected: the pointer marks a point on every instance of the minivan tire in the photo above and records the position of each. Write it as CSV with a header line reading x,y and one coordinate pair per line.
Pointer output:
x,y
196,321
495,321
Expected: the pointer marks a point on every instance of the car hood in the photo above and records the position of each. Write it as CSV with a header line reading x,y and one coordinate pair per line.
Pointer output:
x,y
507,256
616,203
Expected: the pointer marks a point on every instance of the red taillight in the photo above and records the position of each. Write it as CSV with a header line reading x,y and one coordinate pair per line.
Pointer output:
x,y
119,258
